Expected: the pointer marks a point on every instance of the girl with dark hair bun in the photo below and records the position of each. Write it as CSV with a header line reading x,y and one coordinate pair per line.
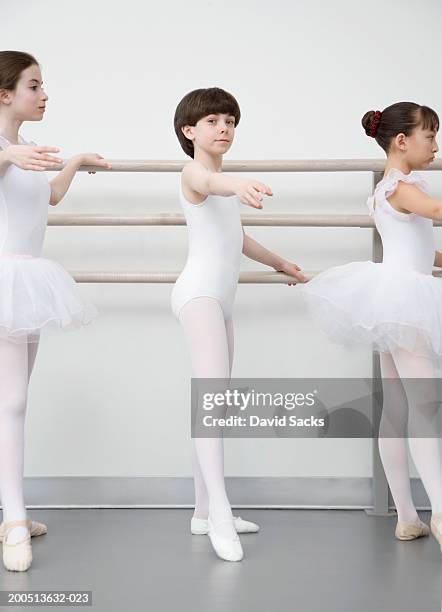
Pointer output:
x,y
406,118
396,307
35,293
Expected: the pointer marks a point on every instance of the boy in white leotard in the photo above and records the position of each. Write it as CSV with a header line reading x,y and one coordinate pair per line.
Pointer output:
x,y
203,295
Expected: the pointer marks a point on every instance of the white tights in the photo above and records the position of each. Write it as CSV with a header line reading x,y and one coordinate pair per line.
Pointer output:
x,y
410,406
209,339
16,364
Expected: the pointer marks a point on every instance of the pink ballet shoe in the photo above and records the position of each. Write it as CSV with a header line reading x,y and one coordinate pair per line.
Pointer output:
x,y
436,527
17,557
411,531
37,529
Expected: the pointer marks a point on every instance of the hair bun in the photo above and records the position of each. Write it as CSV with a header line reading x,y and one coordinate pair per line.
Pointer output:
x,y
366,121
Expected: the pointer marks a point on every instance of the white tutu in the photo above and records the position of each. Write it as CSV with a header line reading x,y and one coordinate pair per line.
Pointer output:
x,y
38,294
379,304
393,304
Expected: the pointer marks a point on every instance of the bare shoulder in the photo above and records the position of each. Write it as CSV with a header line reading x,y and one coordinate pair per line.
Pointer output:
x,y
193,179
193,168
402,195
408,197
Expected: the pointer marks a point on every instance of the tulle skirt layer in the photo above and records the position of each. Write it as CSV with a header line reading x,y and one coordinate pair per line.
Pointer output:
x,y
37,294
378,304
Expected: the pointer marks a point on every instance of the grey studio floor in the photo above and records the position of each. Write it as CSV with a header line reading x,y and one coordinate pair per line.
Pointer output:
x,y
306,560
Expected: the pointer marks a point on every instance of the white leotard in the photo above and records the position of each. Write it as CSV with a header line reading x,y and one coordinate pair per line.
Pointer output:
x,y
24,212
409,243
214,252
35,293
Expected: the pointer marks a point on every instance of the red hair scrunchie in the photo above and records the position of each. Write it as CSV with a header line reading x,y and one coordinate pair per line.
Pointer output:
x,y
374,123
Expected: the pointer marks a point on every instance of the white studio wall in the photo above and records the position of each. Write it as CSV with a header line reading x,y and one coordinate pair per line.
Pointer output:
x,y
113,399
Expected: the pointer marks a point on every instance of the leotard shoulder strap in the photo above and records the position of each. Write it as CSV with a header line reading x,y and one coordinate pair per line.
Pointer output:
x,y
388,185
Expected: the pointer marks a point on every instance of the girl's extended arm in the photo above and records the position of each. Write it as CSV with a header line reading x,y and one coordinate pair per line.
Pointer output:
x,y
410,198
202,181
61,183
28,157
254,250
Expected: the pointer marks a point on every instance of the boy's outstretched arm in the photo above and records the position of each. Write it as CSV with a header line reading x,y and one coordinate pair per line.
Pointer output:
x,y
205,182
254,250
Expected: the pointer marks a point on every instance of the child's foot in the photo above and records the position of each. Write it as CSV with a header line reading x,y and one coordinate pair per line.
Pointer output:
x,y
225,540
37,529
411,531
17,551
436,527
199,526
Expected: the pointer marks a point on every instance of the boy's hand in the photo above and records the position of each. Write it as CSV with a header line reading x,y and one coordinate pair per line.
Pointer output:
x,y
250,192
291,269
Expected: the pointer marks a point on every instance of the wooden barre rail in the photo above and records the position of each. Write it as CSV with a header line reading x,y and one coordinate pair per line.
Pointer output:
x,y
268,278
277,165
290,220
169,277
277,219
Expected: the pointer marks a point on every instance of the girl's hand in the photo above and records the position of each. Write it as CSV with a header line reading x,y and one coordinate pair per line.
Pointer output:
x,y
92,159
31,157
249,192
291,269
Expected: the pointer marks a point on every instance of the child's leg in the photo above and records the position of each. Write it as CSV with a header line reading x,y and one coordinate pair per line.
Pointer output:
x,y
32,354
417,374
201,494
204,327
230,342
394,450
13,394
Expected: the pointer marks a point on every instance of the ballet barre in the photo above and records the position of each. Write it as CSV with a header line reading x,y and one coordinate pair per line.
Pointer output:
x,y
280,220
281,165
274,220
269,278
381,493
256,278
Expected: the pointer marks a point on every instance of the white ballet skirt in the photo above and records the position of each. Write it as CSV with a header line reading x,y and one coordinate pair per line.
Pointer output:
x,y
36,294
396,303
